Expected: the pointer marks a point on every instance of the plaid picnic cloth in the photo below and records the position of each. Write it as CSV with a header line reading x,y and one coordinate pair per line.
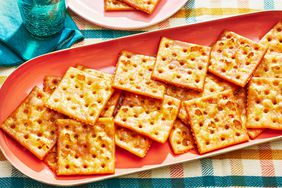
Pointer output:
x,y
259,166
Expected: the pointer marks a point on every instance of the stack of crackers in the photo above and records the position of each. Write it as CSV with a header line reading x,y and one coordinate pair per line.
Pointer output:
x,y
194,96
147,6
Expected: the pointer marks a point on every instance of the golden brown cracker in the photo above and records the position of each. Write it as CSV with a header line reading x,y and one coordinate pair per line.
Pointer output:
x,y
212,85
131,141
150,117
115,5
181,64
147,6
253,133
240,95
50,83
32,124
234,58
51,159
81,95
133,74
180,138
273,39
264,107
86,149
215,121
271,65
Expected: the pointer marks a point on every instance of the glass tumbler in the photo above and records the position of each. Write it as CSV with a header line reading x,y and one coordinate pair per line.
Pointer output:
x,y
43,18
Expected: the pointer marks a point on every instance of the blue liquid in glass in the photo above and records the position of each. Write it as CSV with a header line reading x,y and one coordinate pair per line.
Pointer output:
x,y
43,18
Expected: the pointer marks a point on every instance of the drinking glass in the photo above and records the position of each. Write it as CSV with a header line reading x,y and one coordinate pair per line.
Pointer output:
x,y
43,18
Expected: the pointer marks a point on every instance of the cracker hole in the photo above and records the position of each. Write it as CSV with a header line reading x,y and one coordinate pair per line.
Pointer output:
x,y
52,132
56,100
137,87
238,77
212,131
238,134
141,74
26,136
144,60
73,107
200,67
68,98
258,101
267,92
136,115
124,119
128,56
76,156
201,124
216,119
198,112
197,80
169,103
207,142
178,76
212,89
94,156
64,88
103,145
219,108
85,146
67,146
81,96
163,118
192,59
71,76
226,127
151,123
39,147
147,112
67,166
131,79
160,71
222,138
257,118
163,58
39,95
265,111
140,126
189,72
256,48
275,83
135,65
174,54
85,166
99,101
103,165
76,86
269,39
248,63
150,69
223,70
274,101
219,51
279,29
181,63
67,127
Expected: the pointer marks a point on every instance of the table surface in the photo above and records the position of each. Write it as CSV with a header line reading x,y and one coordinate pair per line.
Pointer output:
x,y
256,166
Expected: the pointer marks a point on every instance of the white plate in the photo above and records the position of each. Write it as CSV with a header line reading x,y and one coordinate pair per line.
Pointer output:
x,y
93,11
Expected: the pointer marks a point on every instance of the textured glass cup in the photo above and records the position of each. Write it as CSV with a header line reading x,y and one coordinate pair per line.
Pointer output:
x,y
43,18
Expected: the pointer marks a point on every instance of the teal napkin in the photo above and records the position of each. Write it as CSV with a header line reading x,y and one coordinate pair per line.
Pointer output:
x,y
17,45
